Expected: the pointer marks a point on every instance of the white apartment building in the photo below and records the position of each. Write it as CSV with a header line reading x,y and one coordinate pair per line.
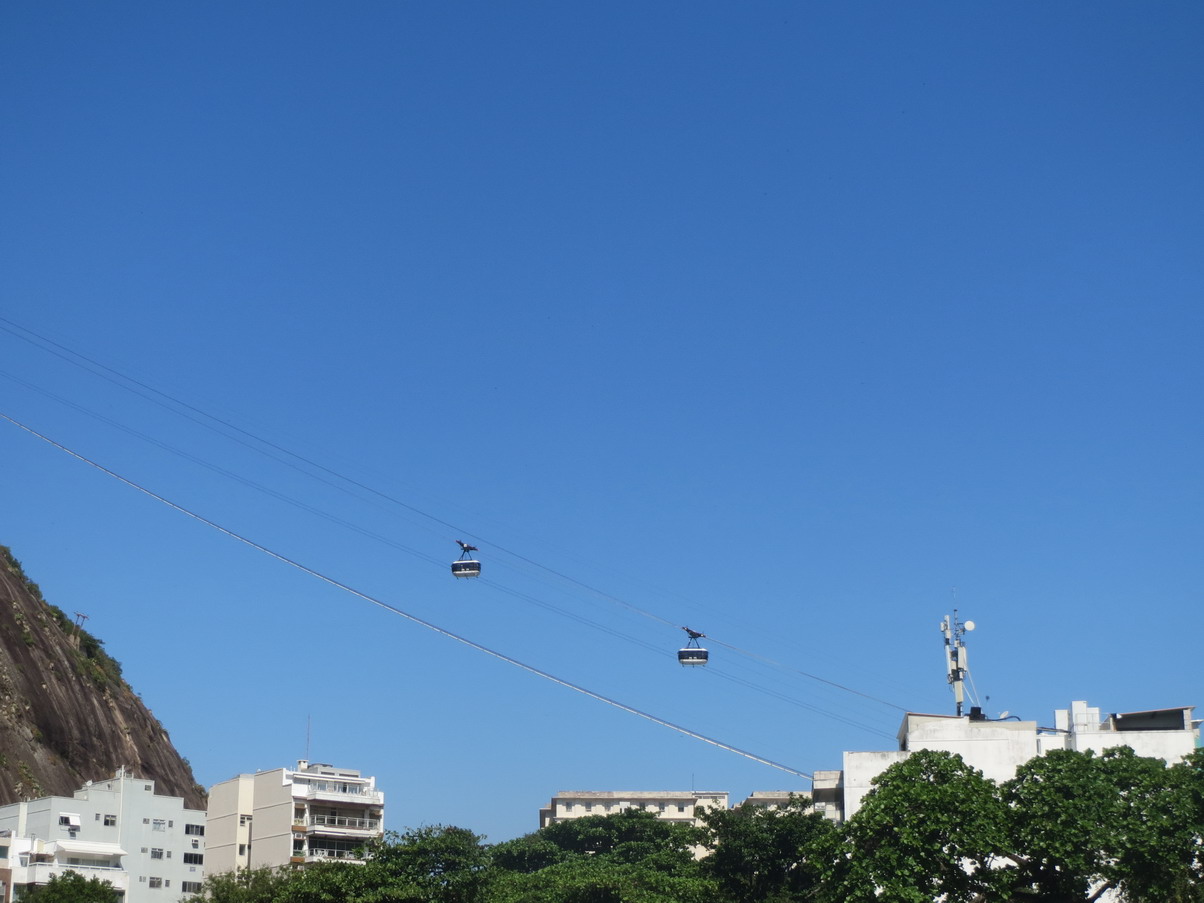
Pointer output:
x,y
312,813
149,847
997,747
677,806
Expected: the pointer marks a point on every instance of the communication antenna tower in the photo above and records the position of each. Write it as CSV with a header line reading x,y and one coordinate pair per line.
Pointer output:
x,y
956,664
80,617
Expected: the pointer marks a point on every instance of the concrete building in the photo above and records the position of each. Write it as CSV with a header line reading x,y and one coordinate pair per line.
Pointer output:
x,y
27,862
312,813
676,806
149,847
774,799
998,747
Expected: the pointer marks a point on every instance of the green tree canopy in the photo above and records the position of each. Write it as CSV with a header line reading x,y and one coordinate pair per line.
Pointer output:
x,y
627,857
632,835
1081,823
765,855
72,887
930,828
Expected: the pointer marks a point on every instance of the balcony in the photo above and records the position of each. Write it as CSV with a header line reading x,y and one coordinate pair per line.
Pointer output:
x,y
332,856
325,823
362,793
42,872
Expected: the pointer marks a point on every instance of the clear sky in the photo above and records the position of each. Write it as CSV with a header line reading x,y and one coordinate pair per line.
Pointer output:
x,y
797,323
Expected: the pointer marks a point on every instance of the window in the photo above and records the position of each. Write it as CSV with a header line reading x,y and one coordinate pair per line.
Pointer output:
x,y
194,858
155,882
242,849
110,821
244,820
156,853
159,824
681,808
196,844
191,887
69,820
198,830
589,807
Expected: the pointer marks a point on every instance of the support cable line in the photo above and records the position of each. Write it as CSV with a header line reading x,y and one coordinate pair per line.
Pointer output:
x,y
122,380
338,521
531,669
822,680
717,672
221,471
318,512
261,446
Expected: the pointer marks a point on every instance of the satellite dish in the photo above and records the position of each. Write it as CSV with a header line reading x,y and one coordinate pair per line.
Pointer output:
x,y
969,625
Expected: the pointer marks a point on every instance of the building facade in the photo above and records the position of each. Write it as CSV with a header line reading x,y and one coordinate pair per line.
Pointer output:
x,y
311,813
682,807
775,799
149,847
997,747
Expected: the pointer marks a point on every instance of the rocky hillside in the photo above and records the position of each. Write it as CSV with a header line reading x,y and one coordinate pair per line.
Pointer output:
x,y
66,714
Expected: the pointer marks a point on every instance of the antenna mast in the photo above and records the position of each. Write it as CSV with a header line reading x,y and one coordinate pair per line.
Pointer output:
x,y
956,664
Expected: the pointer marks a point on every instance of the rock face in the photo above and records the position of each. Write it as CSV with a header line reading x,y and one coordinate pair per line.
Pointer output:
x,y
66,714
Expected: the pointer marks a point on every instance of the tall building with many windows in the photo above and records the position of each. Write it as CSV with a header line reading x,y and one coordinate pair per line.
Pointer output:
x,y
149,847
311,813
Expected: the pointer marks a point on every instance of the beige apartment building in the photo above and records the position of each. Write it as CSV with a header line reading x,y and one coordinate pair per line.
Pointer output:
x,y
311,813
677,806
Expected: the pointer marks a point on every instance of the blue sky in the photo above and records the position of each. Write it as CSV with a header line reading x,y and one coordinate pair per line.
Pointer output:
x,y
800,324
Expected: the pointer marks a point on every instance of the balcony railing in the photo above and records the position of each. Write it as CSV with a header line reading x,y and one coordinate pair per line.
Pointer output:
x,y
42,872
344,821
359,795
320,855
338,821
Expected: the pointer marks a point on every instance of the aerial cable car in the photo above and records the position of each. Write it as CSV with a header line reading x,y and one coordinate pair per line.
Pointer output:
x,y
466,565
692,654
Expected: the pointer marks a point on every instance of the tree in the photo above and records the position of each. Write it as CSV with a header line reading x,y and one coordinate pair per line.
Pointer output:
x,y
628,857
632,835
243,886
599,879
764,855
527,854
929,829
72,887
1081,824
433,864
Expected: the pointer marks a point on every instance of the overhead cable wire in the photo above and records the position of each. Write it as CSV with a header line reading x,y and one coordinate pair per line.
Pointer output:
x,y
251,484
851,722
816,677
221,471
525,597
360,485
531,669
294,455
